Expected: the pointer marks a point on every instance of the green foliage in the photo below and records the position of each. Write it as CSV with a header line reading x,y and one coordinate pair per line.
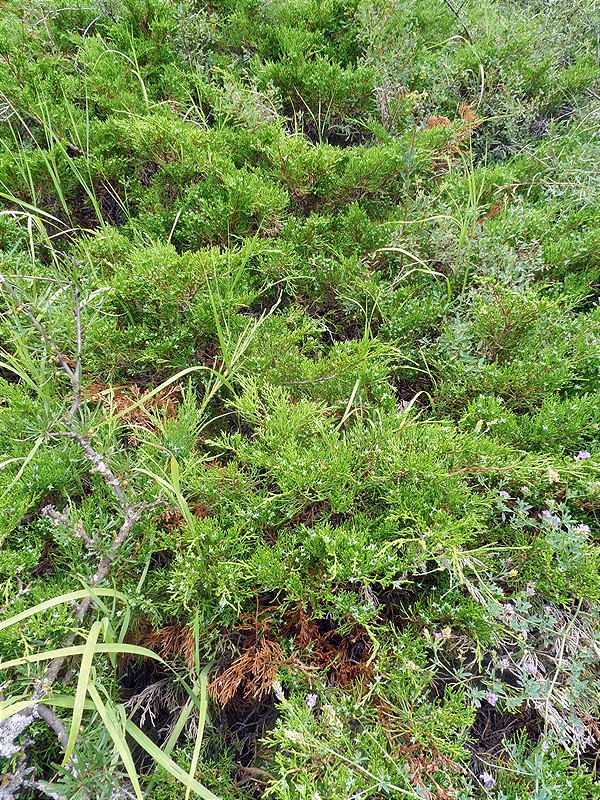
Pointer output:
x,y
317,282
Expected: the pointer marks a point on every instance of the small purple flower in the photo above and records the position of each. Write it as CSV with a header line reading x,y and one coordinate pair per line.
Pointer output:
x,y
504,495
546,513
583,528
487,780
509,608
311,700
582,455
529,666
492,698
530,590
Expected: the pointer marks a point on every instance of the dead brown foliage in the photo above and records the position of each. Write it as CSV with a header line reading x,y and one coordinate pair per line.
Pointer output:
x,y
253,672
467,113
172,641
494,210
119,398
172,519
317,647
344,657
437,122
453,148
423,766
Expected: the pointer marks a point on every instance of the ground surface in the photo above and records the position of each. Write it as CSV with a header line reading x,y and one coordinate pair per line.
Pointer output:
x,y
300,364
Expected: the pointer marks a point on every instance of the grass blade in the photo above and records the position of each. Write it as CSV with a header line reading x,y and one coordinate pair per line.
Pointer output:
x,y
66,701
201,724
168,764
172,489
78,650
184,715
110,721
23,466
82,687
8,708
56,601
154,392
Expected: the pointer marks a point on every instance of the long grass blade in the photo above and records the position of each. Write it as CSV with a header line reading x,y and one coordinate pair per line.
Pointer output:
x,y
66,701
38,442
85,669
167,748
110,721
201,724
78,650
57,601
181,501
10,707
167,763
154,392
